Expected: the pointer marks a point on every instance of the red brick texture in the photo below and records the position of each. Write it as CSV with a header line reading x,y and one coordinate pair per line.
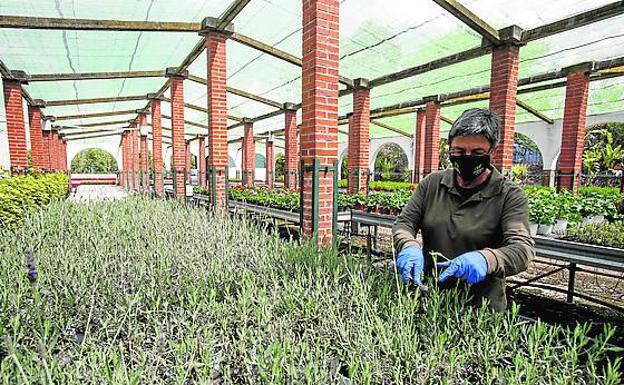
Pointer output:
x,y
270,163
202,162
319,129
37,148
16,131
46,149
503,90
249,155
359,142
291,176
419,145
217,116
432,138
176,84
135,160
64,165
573,131
54,150
187,161
157,148
122,167
144,163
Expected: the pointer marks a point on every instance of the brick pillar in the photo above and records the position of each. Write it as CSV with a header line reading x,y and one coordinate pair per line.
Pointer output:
x,y
37,146
46,149
135,160
291,156
157,146
432,135
64,166
249,155
144,163
16,131
217,117
201,162
187,160
503,90
54,150
419,145
176,84
573,130
319,128
122,166
359,138
270,162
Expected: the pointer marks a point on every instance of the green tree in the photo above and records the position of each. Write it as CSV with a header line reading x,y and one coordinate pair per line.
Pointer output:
x,y
391,163
93,161
280,165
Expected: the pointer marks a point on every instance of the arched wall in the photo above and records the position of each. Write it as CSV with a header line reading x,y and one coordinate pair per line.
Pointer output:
x,y
110,145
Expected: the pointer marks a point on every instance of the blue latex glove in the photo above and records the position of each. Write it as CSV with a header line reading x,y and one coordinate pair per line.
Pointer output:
x,y
471,267
410,263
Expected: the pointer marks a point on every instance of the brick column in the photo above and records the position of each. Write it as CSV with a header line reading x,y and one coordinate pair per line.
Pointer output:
x,y
249,155
432,135
176,84
16,130
573,130
359,138
291,156
122,166
37,147
54,150
201,162
135,160
503,90
144,163
419,145
46,149
187,160
157,145
64,166
270,162
319,128
217,113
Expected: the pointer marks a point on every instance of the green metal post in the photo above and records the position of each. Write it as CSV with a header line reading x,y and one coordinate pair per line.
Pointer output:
x,y
335,205
315,199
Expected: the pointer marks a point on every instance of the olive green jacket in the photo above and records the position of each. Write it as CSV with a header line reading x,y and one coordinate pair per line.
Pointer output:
x,y
493,221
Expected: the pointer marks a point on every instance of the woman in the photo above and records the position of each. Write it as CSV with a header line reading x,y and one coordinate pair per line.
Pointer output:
x,y
470,214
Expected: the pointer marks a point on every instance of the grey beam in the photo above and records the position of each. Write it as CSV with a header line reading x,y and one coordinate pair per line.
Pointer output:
x,y
470,19
57,103
26,22
533,111
230,13
94,115
95,75
582,19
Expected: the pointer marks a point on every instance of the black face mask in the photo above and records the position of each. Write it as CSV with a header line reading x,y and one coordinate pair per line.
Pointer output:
x,y
470,167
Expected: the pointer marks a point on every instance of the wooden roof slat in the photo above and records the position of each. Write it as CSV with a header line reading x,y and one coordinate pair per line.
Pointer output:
x,y
470,19
239,92
95,76
231,12
27,22
70,102
607,11
98,124
533,111
94,115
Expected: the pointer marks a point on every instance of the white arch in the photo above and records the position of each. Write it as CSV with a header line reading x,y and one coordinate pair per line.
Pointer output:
x,y
110,145
404,142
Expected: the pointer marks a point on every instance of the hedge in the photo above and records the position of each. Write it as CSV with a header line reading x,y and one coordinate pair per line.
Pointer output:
x,y
22,194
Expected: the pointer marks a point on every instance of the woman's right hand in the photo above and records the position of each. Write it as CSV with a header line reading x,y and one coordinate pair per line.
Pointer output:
x,y
411,262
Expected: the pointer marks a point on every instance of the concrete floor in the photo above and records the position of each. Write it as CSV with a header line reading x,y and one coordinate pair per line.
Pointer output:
x,y
93,193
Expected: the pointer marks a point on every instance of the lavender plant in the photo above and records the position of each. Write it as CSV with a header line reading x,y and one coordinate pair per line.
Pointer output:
x,y
143,291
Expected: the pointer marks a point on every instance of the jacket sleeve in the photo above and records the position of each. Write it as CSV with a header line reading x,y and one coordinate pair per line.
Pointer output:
x,y
408,223
518,247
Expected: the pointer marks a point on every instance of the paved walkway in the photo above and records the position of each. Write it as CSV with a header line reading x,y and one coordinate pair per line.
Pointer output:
x,y
92,193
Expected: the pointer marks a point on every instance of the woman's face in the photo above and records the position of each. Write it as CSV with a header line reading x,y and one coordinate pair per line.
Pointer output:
x,y
474,145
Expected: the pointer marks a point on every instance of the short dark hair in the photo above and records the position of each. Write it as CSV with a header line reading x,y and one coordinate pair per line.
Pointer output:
x,y
477,121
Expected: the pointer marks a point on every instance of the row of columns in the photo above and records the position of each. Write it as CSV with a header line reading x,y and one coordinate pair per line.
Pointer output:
x,y
47,149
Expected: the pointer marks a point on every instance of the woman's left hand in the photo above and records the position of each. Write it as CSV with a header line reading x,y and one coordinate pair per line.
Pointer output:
x,y
471,267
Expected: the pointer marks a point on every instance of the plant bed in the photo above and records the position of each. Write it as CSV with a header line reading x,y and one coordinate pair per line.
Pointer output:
x,y
147,291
